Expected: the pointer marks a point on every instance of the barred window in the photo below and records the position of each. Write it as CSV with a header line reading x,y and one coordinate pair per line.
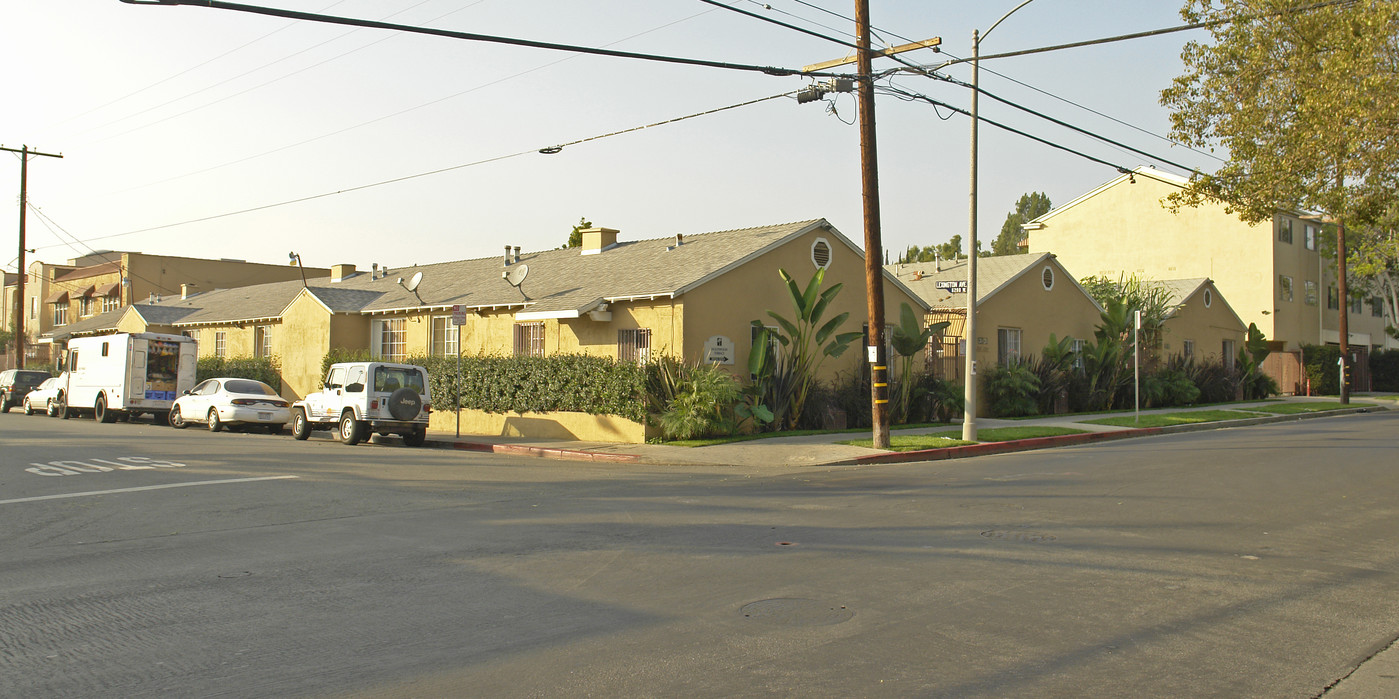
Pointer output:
x,y
444,337
262,341
529,339
390,337
634,345
220,343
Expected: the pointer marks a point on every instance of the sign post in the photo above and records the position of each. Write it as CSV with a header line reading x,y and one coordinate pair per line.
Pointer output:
x,y
458,319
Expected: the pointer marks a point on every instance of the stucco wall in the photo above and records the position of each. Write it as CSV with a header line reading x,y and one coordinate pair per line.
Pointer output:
x,y
1207,327
727,305
1063,310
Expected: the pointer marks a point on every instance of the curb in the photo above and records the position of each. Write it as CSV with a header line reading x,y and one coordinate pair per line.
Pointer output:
x,y
538,452
1067,440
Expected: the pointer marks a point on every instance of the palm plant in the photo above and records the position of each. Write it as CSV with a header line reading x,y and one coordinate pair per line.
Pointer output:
x,y
805,342
909,338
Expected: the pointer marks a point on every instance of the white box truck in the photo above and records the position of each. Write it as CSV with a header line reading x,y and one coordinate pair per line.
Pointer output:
x,y
127,374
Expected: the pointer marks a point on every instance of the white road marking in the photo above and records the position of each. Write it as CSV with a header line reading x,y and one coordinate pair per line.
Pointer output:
x,y
147,487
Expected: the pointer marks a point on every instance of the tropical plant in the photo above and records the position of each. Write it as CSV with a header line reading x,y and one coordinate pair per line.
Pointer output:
x,y
703,397
909,338
1011,390
1252,380
1055,369
806,342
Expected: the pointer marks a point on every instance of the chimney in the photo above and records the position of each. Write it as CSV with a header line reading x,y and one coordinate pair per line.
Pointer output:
x,y
516,256
596,240
339,273
374,271
507,256
184,291
679,239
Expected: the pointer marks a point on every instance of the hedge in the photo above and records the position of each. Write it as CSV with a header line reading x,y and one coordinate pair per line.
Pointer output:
x,y
1384,370
262,369
567,382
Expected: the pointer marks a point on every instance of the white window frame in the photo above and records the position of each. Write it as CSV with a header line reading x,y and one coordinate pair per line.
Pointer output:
x,y
1309,292
388,338
220,343
442,336
830,253
262,340
110,303
60,313
1187,348
1008,344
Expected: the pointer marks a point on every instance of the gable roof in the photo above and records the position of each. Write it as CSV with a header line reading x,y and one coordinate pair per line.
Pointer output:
x,y
992,275
1143,171
1182,290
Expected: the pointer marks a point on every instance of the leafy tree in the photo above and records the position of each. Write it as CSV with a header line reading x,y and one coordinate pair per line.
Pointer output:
x,y
1302,96
1028,208
575,238
915,253
952,249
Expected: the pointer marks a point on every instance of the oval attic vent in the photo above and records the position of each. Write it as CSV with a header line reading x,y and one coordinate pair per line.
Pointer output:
x,y
821,253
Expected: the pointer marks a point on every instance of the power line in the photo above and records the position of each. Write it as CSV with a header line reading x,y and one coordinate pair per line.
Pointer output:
x,y
548,150
468,36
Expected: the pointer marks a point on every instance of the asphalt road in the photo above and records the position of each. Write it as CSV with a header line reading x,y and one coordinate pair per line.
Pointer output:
x,y
1256,562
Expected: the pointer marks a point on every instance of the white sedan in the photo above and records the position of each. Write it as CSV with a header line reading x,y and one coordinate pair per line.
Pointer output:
x,y
42,398
231,402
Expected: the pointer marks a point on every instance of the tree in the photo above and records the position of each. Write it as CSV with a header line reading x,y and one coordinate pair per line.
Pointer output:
x,y
1304,97
1028,208
915,253
952,249
575,238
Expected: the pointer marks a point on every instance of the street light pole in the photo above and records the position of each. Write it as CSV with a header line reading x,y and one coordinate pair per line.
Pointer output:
x,y
969,395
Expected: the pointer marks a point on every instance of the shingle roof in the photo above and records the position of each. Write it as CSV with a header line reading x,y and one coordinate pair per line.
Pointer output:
x,y
992,275
1180,289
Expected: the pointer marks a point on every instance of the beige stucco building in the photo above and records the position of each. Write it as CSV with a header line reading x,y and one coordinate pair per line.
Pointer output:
x,y
688,296
1201,324
1272,272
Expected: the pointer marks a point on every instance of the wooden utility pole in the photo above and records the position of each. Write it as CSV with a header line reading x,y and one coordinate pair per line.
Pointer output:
x,y
874,246
24,154
1344,326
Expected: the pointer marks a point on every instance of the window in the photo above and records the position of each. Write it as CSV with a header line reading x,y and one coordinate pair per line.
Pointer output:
x,y
1284,287
1078,346
1007,345
1311,237
34,308
262,341
1229,356
389,338
1310,289
1209,298
86,306
1187,348
529,339
60,313
1333,298
1377,307
1285,231
444,337
634,345
1357,304
111,303
821,253
220,343
105,348
1048,278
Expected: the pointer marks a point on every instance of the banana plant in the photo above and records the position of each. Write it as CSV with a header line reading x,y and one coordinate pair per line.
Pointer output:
x,y
909,338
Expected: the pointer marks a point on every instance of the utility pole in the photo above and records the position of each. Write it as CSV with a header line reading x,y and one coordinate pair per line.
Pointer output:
x,y
874,246
1344,325
24,154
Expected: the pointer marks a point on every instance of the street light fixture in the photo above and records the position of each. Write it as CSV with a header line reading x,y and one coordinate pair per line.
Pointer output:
x,y
969,397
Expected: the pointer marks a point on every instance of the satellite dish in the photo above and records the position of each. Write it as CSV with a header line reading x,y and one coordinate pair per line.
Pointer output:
x,y
516,275
415,281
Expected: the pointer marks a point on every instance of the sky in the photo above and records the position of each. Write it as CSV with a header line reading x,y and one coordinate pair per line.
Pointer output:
x,y
203,132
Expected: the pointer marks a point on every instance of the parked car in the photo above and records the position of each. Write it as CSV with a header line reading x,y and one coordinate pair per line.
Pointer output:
x,y
15,384
231,402
360,399
45,397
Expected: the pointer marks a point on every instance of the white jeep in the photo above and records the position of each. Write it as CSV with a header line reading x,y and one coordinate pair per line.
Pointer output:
x,y
363,398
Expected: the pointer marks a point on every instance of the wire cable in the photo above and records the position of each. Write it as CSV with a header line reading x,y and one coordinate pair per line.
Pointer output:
x,y
468,36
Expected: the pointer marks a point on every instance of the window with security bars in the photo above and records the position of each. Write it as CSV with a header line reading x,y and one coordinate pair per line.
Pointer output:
x,y
634,345
1007,345
262,341
390,337
444,337
529,339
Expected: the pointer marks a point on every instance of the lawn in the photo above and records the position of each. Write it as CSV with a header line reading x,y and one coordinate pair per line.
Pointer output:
x,y
942,440
1295,408
1168,419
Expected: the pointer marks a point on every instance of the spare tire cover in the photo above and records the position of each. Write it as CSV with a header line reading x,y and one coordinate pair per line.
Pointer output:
x,y
405,404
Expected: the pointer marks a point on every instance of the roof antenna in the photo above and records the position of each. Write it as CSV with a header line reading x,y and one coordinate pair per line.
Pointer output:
x,y
516,276
413,285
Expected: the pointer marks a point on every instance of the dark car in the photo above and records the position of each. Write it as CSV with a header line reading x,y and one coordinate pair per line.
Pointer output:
x,y
15,384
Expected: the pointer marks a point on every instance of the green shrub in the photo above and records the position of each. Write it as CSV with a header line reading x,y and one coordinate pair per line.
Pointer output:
x,y
1012,390
1384,370
264,369
1319,364
702,404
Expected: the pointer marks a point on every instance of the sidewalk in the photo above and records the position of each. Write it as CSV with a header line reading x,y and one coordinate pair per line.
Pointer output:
x,y
823,450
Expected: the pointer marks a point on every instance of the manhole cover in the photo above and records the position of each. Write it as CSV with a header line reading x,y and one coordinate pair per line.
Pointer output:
x,y
796,611
1025,536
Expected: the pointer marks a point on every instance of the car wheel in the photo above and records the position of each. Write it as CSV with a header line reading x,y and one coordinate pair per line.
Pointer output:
x,y
100,412
300,428
177,420
4,403
62,410
350,432
213,421
28,408
50,409
415,438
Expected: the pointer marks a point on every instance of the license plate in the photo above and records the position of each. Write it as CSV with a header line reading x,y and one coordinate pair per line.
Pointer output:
x,y
264,416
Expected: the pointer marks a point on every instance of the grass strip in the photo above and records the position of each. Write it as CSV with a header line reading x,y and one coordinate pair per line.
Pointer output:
x,y
942,440
1298,408
1168,419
